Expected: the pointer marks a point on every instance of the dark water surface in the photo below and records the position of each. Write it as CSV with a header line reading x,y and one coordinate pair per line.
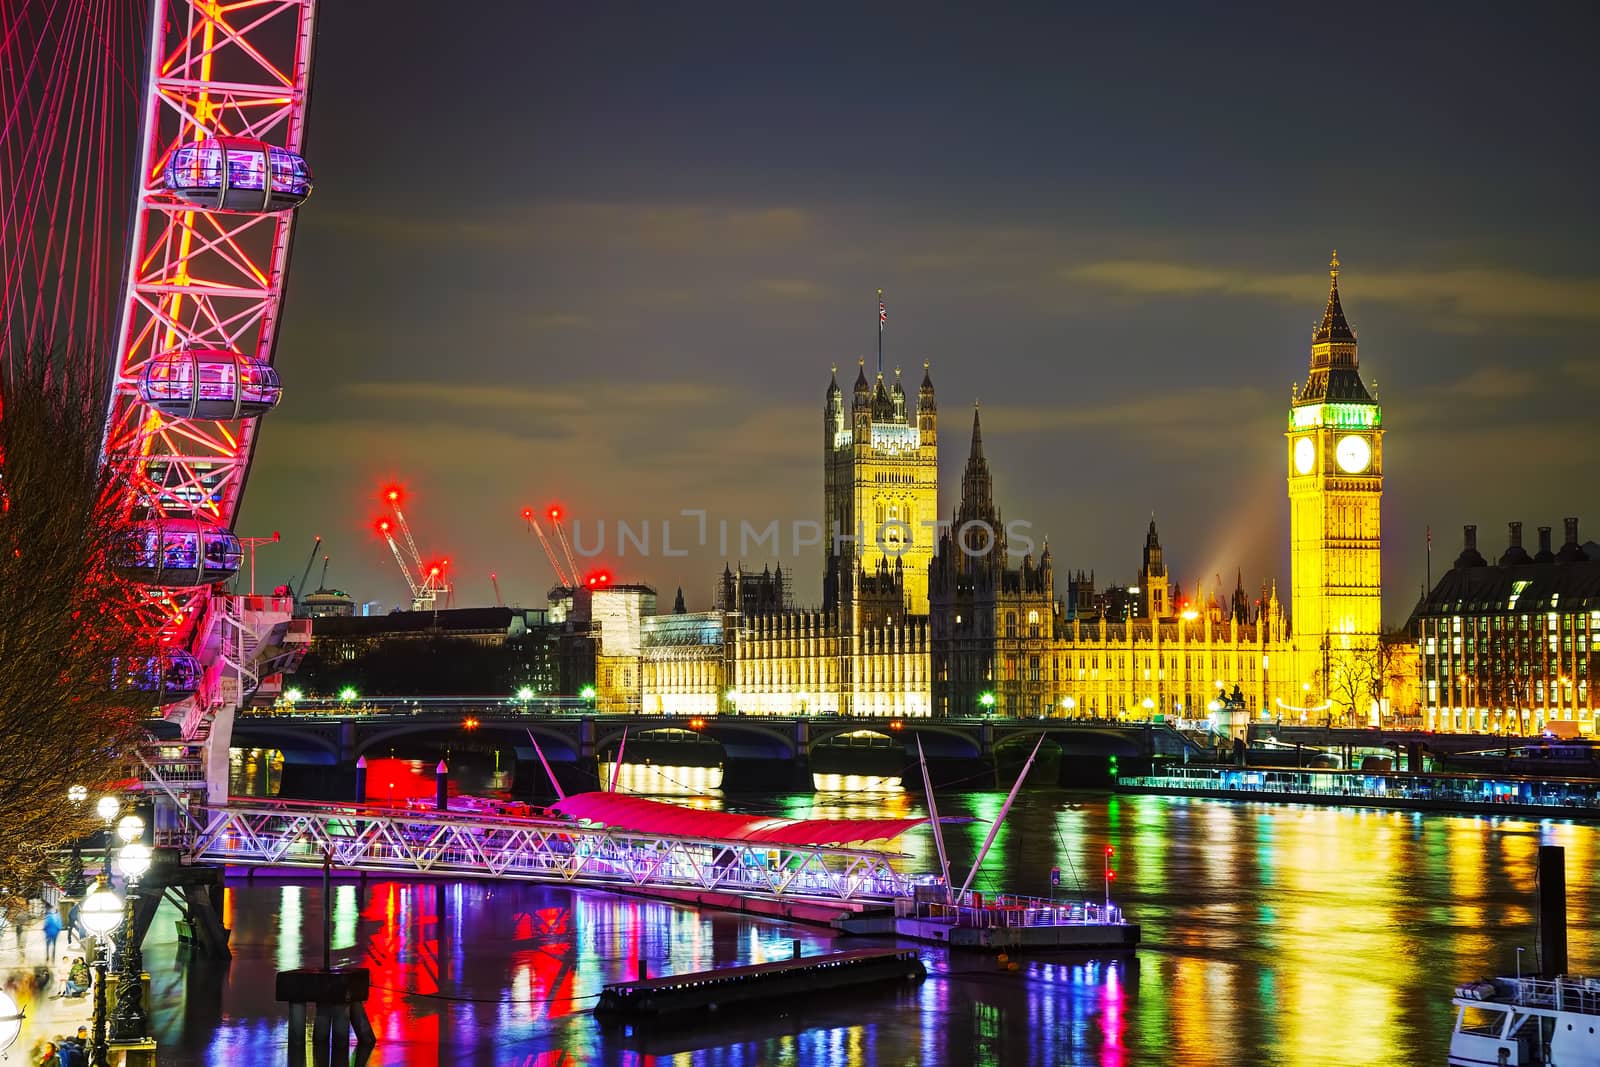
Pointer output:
x,y
1273,935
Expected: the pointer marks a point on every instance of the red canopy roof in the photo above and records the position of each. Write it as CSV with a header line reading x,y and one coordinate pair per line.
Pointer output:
x,y
638,815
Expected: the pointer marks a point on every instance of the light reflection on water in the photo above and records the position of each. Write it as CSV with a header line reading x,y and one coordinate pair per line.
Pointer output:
x,y
1299,937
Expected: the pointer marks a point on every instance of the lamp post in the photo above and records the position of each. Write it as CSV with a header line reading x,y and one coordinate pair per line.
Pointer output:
x,y
10,1021
128,1021
101,911
75,884
107,807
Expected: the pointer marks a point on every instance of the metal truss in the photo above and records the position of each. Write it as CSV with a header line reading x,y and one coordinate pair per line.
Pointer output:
x,y
283,834
198,278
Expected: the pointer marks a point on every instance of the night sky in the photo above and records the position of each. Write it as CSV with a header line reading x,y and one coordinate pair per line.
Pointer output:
x,y
605,256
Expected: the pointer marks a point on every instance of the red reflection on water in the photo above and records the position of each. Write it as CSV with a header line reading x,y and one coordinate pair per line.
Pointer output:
x,y
394,781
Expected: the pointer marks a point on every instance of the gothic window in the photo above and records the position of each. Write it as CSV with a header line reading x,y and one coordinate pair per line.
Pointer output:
x,y
1011,624
1033,669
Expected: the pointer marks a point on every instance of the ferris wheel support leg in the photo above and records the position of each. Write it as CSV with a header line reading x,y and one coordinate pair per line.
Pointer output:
x,y
216,754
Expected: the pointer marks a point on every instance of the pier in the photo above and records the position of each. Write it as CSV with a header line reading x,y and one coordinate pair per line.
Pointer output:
x,y
701,992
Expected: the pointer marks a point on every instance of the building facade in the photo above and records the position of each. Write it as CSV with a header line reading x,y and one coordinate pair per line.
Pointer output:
x,y
1335,464
1508,648
914,627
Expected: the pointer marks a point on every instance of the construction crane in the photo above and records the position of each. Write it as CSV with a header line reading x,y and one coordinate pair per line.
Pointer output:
x,y
322,583
393,496
298,592
494,580
568,580
427,584
566,549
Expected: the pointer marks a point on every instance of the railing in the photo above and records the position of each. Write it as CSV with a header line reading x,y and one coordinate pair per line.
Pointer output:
x,y
1580,995
1355,785
287,834
1015,911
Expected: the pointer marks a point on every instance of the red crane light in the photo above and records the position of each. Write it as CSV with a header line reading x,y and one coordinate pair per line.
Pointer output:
x,y
527,513
1110,851
392,494
381,525
555,514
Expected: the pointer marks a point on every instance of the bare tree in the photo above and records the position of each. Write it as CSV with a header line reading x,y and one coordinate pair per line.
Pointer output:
x,y
69,626
1353,677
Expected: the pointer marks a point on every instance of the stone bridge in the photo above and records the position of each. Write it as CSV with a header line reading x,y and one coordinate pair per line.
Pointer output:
x,y
336,738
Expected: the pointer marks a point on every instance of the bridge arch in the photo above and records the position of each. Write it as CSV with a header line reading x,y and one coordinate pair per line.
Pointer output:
x,y
557,745
948,742
306,746
739,740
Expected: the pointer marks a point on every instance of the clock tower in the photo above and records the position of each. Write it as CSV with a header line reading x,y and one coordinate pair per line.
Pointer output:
x,y
1335,453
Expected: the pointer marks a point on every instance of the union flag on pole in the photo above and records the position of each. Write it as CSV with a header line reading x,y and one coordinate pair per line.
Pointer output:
x,y
883,311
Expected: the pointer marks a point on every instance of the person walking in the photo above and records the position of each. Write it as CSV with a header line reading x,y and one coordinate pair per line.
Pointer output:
x,y
52,931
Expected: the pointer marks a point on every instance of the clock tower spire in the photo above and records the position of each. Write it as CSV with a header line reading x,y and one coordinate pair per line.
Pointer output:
x,y
1335,454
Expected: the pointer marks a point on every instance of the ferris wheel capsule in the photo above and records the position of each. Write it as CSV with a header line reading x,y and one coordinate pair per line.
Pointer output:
x,y
209,383
169,677
179,553
238,174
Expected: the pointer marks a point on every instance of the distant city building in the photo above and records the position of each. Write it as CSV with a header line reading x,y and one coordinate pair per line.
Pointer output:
x,y
1508,647
617,613
455,651
328,603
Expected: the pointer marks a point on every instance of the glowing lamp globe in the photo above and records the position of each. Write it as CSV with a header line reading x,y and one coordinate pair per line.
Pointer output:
x,y
77,794
135,859
130,828
101,911
525,693
107,808
10,1021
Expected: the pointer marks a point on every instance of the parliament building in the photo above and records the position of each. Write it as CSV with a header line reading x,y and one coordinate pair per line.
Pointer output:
x,y
923,618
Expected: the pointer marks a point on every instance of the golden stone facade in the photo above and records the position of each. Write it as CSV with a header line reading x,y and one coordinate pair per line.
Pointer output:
x,y
1335,464
913,627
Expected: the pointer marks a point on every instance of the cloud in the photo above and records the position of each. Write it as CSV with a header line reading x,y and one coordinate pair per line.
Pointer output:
x,y
1493,382
1583,371
680,228
792,288
1471,293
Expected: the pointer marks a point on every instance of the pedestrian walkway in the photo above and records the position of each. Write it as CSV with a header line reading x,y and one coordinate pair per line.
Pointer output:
x,y
46,1017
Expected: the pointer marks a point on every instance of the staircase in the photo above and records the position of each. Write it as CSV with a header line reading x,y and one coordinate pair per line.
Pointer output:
x,y
241,641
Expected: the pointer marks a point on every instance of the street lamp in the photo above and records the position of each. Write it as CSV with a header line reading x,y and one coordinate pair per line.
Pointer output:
x,y
587,693
107,808
1148,705
290,696
1069,704
987,700
128,1020
10,1021
101,911
348,693
525,694
75,884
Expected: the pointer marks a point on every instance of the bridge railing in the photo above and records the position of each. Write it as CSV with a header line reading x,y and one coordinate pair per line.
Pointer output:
x,y
288,834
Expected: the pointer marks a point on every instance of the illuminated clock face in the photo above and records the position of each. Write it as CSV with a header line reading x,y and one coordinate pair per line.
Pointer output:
x,y
1354,454
1305,455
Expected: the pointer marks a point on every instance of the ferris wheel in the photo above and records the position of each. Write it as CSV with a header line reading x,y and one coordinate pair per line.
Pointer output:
x,y
220,174
203,104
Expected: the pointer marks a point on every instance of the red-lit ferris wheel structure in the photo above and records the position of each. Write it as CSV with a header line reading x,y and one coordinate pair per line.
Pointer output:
x,y
221,112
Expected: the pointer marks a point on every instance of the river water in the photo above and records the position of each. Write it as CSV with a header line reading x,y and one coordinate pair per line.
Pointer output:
x,y
1275,935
